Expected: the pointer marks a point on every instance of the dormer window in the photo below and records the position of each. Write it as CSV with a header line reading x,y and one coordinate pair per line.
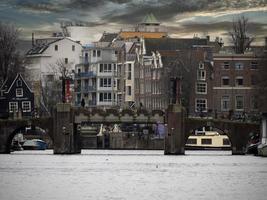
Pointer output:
x,y
19,92
19,83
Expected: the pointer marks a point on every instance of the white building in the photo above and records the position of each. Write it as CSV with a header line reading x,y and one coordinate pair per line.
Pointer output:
x,y
46,53
96,77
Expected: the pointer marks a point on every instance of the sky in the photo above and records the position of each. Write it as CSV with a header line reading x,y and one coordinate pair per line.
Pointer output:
x,y
182,18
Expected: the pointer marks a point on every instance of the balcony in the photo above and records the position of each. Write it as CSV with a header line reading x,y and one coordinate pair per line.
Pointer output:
x,y
85,74
89,88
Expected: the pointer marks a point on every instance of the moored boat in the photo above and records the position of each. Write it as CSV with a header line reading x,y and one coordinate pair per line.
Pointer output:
x,y
34,144
209,140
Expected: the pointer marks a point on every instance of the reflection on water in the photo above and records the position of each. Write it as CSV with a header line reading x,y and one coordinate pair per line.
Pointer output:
x,y
113,174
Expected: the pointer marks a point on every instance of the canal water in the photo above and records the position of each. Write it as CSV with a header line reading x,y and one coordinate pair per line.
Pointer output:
x,y
133,175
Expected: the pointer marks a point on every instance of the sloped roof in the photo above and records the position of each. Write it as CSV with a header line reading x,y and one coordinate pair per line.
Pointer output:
x,y
172,44
150,19
11,80
108,37
39,49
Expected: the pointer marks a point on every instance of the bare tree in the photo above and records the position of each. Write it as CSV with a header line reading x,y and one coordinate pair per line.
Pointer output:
x,y
62,70
240,35
10,61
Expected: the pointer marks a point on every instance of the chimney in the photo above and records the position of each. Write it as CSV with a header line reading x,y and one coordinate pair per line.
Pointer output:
x,y
32,39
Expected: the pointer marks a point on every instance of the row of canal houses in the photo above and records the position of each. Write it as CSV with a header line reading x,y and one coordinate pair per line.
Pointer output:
x,y
139,67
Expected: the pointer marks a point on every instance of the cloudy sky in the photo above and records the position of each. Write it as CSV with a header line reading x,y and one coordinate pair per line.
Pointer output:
x,y
183,18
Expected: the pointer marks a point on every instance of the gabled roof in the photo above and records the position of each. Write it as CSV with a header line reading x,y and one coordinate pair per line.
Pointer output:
x,y
172,44
150,19
10,82
39,49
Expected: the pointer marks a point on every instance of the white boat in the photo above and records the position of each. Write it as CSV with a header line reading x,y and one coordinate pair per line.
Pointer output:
x,y
208,140
34,144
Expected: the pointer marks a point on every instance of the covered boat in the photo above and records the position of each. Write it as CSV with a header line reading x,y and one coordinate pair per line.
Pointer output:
x,y
34,144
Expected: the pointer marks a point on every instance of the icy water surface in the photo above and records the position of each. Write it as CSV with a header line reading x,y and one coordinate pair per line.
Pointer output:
x,y
137,175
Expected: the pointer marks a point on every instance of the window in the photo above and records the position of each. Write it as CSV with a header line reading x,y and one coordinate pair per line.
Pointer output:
x,y
226,65
191,141
239,102
239,66
98,53
254,103
225,81
115,67
13,107
206,141
201,65
73,47
56,47
26,106
254,65
66,60
201,75
201,88
105,68
19,92
105,97
239,81
225,103
201,105
226,141
94,53
105,82
129,90
19,83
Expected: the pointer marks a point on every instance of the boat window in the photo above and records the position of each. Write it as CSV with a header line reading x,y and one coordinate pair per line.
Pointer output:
x,y
206,141
226,141
191,141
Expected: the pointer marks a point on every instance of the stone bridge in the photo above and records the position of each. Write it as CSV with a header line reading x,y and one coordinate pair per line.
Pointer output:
x,y
64,127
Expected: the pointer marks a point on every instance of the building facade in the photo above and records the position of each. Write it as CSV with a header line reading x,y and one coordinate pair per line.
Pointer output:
x,y
235,78
16,98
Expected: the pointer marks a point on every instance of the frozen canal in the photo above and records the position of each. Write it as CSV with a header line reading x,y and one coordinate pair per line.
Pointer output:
x,y
137,175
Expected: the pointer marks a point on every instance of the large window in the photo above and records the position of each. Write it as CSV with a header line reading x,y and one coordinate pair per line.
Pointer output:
x,y
225,81
206,141
105,97
201,75
105,82
129,76
239,102
13,107
225,103
201,105
26,106
105,68
239,81
19,92
239,66
201,88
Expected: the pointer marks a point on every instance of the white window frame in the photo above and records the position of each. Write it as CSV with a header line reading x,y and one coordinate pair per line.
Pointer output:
x,y
201,75
19,94
199,88
205,102
239,109
105,96
19,83
10,105
23,105
225,99
107,84
201,65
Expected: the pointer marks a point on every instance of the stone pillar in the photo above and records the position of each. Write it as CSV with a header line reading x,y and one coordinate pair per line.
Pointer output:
x,y
66,136
174,139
